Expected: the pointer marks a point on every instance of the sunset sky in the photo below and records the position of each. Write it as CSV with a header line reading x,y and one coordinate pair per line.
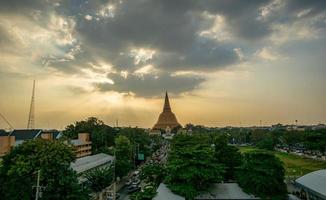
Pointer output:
x,y
223,62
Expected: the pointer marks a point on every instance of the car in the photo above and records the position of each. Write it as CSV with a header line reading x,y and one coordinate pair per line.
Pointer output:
x,y
132,189
135,182
110,197
136,173
146,187
128,182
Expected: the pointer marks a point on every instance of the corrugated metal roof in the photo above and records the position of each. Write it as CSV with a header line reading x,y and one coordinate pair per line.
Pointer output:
x,y
25,134
3,133
225,191
89,162
315,181
164,193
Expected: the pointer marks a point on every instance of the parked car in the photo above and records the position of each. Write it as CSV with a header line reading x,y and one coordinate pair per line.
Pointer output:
x,y
110,197
135,182
132,189
147,187
136,173
128,182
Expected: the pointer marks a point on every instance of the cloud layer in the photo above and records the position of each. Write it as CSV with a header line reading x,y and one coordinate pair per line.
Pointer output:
x,y
138,46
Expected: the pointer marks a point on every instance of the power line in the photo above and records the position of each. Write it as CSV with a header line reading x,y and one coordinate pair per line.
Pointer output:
x,y
10,126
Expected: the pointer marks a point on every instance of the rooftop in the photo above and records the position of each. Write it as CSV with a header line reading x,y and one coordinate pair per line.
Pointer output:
x,y
3,133
25,134
314,181
89,162
164,193
225,191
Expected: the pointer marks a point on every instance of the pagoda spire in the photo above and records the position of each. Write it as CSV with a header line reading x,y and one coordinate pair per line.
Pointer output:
x,y
167,107
167,118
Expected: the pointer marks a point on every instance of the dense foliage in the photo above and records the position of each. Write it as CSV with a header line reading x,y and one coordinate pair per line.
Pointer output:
x,y
99,178
262,174
191,166
18,173
153,173
123,155
147,194
268,138
228,156
139,140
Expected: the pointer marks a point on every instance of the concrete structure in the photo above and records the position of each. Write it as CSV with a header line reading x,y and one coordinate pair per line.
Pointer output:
x,y
83,145
313,185
6,142
167,119
164,193
225,191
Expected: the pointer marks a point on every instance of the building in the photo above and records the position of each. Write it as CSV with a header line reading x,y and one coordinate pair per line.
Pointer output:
x,y
83,145
167,119
87,163
164,193
225,191
6,142
18,136
313,185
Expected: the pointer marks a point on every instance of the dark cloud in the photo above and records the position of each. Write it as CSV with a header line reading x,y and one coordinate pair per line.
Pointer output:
x,y
315,6
23,6
241,16
5,38
149,85
170,27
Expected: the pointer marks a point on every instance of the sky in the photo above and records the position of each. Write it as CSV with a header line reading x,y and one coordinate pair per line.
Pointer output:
x,y
223,62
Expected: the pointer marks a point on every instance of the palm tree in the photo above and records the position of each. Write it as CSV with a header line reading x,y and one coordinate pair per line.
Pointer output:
x,y
98,179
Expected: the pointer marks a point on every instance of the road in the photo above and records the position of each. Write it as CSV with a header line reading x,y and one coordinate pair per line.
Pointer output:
x,y
159,156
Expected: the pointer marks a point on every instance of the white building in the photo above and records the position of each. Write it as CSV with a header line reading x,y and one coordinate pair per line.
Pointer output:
x,y
313,185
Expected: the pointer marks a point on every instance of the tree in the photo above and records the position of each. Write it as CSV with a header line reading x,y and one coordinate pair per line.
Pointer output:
x,y
267,143
191,165
139,140
258,135
102,135
227,155
315,140
262,174
293,137
148,194
99,178
156,142
123,155
153,173
52,158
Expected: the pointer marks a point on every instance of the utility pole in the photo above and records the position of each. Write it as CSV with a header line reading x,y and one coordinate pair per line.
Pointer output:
x,y
114,183
38,184
134,151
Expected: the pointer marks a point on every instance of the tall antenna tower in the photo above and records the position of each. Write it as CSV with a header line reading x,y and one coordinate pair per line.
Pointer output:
x,y
31,117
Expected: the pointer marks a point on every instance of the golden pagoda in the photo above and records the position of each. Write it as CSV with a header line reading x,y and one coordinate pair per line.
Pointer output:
x,y
167,119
